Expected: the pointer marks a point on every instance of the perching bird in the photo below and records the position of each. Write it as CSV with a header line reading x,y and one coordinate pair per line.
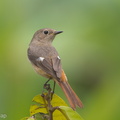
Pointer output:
x,y
46,62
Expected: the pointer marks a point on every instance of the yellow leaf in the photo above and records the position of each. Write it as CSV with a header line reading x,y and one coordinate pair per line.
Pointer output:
x,y
39,99
57,101
43,106
36,109
57,115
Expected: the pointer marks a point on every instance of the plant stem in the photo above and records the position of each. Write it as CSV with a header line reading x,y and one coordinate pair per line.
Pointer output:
x,y
48,98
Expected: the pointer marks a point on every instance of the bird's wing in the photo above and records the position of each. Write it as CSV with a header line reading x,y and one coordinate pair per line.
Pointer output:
x,y
51,66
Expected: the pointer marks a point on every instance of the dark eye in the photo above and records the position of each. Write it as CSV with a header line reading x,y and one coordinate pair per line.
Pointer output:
x,y
45,32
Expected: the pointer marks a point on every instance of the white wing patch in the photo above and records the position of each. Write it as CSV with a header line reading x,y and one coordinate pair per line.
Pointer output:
x,y
41,59
58,57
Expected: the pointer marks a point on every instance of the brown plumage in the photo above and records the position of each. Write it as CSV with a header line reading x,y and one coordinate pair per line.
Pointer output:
x,y
46,62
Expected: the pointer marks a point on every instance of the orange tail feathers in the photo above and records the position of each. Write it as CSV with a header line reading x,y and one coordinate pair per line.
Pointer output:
x,y
69,93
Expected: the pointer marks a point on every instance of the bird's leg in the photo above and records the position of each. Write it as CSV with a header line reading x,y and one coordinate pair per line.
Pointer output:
x,y
46,86
47,81
53,89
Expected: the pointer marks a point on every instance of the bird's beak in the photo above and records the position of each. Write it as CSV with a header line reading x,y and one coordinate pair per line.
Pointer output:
x,y
58,32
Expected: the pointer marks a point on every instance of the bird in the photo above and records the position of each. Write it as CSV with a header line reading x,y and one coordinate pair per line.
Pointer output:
x,y
47,63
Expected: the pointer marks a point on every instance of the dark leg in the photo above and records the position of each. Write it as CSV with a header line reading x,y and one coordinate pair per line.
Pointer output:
x,y
53,90
46,86
47,81
54,86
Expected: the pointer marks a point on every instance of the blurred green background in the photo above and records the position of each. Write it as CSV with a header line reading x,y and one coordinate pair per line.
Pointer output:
x,y
89,48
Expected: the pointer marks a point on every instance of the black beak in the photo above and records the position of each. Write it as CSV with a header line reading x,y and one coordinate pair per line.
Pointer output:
x,y
58,32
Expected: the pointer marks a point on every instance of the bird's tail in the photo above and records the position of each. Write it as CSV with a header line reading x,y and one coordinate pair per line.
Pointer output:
x,y
69,93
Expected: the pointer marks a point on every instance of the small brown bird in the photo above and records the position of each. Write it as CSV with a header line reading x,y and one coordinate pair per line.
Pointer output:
x,y
46,62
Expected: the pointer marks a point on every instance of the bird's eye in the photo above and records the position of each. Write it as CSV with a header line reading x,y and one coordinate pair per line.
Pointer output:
x,y
46,32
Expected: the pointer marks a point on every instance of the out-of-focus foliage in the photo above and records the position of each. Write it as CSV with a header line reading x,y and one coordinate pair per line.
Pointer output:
x,y
89,49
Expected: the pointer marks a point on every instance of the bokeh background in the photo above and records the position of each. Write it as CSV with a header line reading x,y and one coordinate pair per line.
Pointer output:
x,y
89,48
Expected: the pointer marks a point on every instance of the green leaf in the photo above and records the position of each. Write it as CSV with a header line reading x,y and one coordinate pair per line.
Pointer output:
x,y
28,118
39,116
69,113
25,118
31,118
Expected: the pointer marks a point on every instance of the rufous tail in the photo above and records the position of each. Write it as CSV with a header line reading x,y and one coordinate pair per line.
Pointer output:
x,y
69,93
